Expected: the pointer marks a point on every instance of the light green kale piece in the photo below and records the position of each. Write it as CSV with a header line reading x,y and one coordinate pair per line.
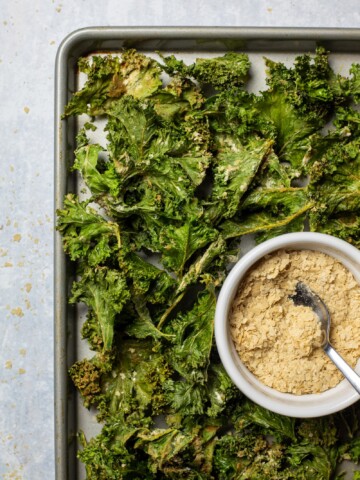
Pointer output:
x,y
160,165
87,236
299,101
179,98
193,336
291,131
111,456
163,446
235,167
231,69
267,212
100,176
178,244
105,292
147,280
334,168
135,387
110,77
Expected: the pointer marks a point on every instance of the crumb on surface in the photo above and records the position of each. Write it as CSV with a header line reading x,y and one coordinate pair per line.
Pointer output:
x,y
17,311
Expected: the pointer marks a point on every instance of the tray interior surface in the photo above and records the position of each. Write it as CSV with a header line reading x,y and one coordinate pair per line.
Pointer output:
x,y
68,320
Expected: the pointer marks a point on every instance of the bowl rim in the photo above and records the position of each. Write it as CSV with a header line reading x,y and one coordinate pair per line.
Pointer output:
x,y
307,405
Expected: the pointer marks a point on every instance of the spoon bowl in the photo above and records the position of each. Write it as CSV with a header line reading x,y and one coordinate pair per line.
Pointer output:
x,y
306,297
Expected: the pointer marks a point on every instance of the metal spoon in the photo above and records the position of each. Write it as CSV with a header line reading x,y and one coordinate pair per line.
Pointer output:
x,y
304,296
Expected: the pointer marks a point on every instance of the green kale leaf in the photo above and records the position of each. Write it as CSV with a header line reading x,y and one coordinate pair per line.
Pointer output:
x,y
86,234
100,177
135,387
105,292
179,244
221,72
109,78
193,336
235,167
269,211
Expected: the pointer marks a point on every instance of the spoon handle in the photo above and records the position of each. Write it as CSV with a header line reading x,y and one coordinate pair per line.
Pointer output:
x,y
344,367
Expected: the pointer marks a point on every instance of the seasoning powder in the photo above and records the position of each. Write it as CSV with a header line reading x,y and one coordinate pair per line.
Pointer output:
x,y
280,342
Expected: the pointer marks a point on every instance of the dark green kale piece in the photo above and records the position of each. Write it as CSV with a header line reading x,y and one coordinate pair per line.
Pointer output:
x,y
334,167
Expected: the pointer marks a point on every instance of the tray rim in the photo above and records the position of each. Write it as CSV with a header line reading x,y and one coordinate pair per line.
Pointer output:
x,y
102,33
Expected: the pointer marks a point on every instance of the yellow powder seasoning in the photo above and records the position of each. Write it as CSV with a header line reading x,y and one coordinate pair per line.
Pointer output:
x,y
280,342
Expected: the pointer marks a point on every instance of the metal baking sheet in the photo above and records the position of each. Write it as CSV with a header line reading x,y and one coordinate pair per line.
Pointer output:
x,y
187,43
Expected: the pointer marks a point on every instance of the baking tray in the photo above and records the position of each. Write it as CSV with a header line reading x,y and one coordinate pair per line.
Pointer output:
x,y
185,42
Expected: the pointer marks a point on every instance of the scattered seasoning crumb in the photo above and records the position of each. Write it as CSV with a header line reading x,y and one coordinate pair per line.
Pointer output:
x,y
14,475
22,371
8,364
26,109
27,304
28,287
22,352
17,311
279,341
17,237
8,264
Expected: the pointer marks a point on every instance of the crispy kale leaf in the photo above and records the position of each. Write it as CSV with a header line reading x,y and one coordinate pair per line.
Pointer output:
x,y
86,377
160,164
201,386
307,85
105,292
334,167
100,177
147,280
110,77
221,72
87,235
298,102
111,455
135,386
267,212
178,244
234,169
193,336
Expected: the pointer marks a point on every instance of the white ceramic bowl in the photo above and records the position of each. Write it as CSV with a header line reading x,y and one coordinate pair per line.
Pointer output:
x,y
308,405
